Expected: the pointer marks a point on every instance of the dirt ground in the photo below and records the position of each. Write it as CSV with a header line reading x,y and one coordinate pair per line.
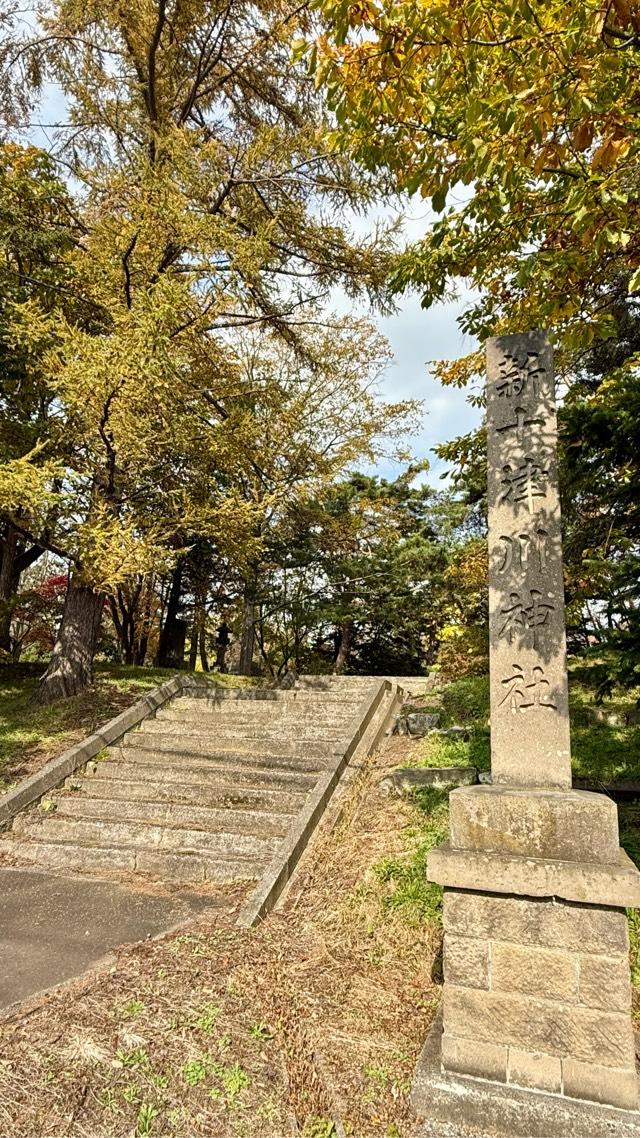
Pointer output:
x,y
317,1015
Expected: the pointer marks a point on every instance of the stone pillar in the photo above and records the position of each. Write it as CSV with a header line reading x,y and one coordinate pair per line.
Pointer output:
x,y
537,994
528,665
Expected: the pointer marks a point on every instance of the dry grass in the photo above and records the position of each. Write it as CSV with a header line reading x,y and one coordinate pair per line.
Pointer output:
x,y
317,1014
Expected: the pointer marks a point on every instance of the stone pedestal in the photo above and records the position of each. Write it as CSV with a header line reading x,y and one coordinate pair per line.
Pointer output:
x,y
537,991
455,1104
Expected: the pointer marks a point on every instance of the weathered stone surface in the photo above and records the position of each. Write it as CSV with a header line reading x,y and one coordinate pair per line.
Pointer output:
x,y
536,1070
55,771
602,1084
570,825
466,961
452,1104
462,734
617,886
419,722
482,1060
539,1025
604,982
544,972
529,699
550,923
406,779
176,866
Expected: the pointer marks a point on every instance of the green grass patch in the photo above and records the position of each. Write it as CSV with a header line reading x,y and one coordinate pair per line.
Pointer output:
x,y
402,878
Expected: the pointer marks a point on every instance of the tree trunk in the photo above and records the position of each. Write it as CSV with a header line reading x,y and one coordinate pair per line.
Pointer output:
x,y
124,611
203,652
193,646
7,585
144,628
247,636
14,560
344,647
71,667
167,634
140,652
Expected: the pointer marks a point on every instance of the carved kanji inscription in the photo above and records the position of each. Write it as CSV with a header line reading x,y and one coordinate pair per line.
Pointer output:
x,y
520,423
525,691
524,550
524,483
520,372
526,590
525,615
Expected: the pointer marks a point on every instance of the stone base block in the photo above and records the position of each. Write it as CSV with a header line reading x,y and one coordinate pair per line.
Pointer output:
x,y
571,825
455,1103
537,993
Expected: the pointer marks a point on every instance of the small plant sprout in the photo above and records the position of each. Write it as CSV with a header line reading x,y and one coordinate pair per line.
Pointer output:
x,y
133,1008
234,1080
109,1099
137,1057
208,1018
146,1115
261,1032
195,1071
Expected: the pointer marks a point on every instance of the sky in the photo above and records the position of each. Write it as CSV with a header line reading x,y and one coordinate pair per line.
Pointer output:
x,y
418,336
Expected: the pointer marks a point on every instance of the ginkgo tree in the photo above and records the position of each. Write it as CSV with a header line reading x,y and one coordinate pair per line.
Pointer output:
x,y
203,199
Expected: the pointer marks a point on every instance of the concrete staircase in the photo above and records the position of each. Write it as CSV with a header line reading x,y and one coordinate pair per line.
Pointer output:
x,y
204,791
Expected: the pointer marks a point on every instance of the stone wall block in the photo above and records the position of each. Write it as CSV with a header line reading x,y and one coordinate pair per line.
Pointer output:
x,y
547,973
539,1025
619,1087
605,982
534,1069
482,1060
466,961
548,923
571,825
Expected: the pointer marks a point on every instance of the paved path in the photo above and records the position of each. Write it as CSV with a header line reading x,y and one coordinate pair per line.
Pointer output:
x,y
53,928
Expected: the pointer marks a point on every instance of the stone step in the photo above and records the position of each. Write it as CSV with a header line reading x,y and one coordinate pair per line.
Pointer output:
x,y
337,683
259,713
140,835
211,757
236,821
273,752
302,732
201,793
275,698
203,773
182,868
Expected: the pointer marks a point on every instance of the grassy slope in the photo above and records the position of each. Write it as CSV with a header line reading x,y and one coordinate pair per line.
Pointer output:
x,y
31,735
